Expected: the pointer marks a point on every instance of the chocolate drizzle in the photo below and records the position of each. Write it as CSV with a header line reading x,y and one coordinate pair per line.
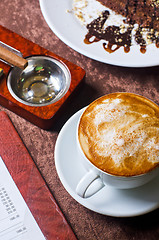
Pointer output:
x,y
112,34
116,37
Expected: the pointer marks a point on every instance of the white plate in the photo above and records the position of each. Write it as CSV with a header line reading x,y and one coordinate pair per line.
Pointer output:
x,y
71,32
108,201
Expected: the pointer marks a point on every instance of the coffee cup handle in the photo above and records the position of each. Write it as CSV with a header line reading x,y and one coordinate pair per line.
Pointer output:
x,y
90,184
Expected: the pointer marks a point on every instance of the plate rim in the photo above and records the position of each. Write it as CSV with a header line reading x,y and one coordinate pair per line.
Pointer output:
x,y
87,53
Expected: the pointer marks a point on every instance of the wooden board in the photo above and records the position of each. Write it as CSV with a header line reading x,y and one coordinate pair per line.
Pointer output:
x,y
40,116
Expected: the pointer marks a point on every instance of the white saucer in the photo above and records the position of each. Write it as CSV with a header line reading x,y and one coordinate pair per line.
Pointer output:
x,y
108,201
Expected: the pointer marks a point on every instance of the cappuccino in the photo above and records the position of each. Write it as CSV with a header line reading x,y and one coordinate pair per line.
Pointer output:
x,y
119,134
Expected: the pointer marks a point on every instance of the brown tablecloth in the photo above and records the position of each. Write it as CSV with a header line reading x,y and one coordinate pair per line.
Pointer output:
x,y
25,18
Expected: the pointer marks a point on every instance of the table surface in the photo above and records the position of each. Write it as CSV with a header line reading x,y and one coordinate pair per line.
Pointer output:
x,y
25,18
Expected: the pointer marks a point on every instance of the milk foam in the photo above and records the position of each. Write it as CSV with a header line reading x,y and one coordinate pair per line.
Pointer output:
x,y
108,111
118,131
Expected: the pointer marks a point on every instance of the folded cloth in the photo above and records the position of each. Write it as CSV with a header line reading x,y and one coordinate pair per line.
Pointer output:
x,y
31,184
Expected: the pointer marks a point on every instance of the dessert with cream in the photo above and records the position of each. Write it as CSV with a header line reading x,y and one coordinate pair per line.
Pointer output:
x,y
119,23
143,12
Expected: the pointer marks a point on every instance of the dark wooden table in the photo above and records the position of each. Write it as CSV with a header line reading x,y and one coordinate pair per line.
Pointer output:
x,y
25,18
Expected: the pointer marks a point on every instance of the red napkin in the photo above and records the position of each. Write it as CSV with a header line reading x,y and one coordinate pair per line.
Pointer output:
x,y
31,184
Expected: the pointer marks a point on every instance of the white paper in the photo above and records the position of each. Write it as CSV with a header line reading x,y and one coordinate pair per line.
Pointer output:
x,y
16,220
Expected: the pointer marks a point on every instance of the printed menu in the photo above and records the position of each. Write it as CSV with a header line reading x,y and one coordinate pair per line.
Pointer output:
x,y
16,220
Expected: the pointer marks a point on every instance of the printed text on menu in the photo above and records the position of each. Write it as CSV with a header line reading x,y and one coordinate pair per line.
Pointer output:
x,y
16,220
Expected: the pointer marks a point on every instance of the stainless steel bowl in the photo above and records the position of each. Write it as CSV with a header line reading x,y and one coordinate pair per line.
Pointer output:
x,y
44,81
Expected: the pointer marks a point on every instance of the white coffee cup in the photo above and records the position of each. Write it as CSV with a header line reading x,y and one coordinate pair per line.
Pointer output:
x,y
95,178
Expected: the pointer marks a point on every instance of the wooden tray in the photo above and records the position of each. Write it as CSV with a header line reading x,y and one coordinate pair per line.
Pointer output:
x,y
43,116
